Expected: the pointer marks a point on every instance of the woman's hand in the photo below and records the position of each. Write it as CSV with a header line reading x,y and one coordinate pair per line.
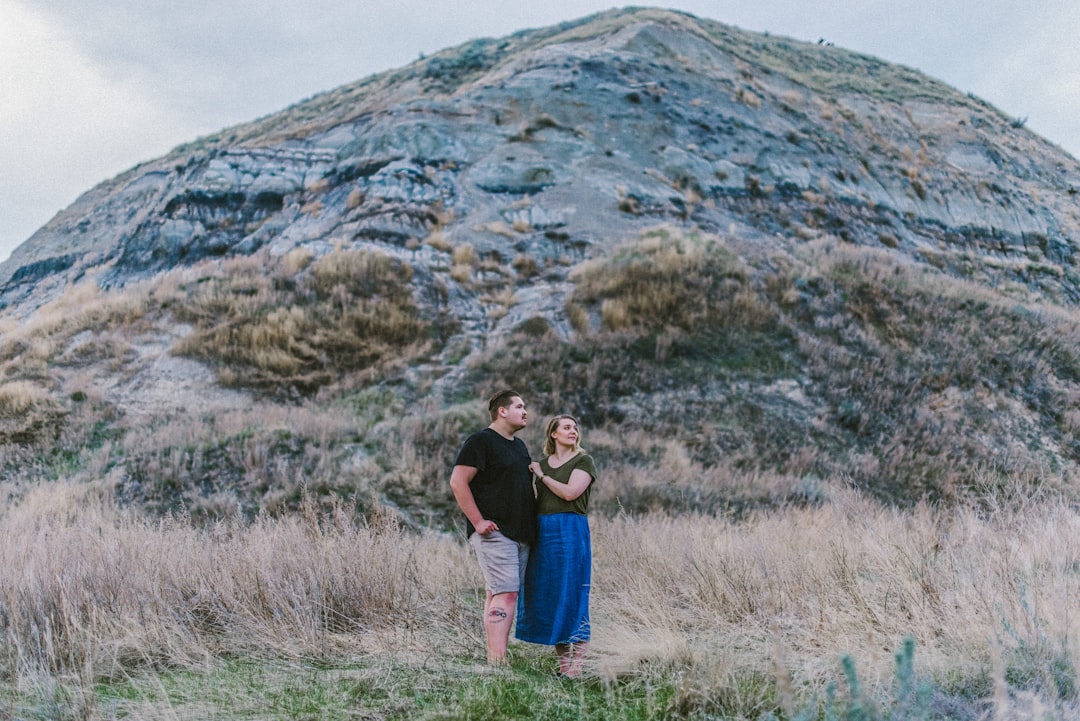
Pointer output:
x,y
535,468
579,481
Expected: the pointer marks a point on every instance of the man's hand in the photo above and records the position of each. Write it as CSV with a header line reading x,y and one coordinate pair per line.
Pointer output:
x,y
484,527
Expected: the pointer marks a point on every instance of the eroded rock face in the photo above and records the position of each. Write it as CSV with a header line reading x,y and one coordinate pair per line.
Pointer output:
x,y
552,142
615,124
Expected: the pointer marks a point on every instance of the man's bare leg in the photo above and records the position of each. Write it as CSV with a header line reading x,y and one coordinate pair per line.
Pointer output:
x,y
498,617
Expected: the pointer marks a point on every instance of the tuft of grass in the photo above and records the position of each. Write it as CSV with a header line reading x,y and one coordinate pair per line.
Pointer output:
x,y
464,254
348,313
667,279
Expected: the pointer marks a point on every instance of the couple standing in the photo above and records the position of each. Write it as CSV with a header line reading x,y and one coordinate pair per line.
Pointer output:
x,y
531,539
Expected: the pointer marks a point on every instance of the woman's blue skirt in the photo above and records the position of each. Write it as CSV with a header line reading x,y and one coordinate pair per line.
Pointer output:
x,y
553,607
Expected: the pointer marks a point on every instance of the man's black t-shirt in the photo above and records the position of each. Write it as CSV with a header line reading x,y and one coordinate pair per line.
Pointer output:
x,y
502,486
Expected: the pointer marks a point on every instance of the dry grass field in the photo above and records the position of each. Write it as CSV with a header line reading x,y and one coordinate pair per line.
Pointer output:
x,y
843,610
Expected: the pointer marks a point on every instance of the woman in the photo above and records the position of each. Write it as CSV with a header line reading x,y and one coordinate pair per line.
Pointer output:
x,y
553,608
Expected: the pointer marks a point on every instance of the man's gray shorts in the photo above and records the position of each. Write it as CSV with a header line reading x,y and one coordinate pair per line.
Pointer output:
x,y
502,561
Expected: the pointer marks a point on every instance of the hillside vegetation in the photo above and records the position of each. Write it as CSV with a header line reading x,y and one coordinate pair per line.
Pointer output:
x,y
710,380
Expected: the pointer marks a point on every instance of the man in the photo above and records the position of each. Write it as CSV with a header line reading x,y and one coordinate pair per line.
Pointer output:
x,y
492,484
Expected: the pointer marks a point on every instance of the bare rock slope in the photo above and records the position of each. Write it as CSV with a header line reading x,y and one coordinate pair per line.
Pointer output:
x,y
562,131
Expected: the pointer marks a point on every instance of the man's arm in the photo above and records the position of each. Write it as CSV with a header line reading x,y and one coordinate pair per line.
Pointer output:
x,y
460,478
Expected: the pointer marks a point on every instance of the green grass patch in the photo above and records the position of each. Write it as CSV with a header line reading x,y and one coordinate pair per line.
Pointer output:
x,y
463,689
450,688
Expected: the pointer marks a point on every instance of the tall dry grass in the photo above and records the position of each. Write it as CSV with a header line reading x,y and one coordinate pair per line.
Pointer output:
x,y
760,608
811,585
669,280
88,589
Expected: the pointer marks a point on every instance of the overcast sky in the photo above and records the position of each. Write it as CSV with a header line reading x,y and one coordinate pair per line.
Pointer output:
x,y
90,89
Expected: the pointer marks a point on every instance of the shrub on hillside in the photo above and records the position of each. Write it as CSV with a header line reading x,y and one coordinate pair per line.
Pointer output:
x,y
28,413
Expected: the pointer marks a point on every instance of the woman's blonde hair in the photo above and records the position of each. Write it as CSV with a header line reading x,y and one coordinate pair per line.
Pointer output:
x,y
549,442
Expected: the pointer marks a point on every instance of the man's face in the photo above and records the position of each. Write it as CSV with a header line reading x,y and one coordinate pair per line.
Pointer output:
x,y
515,413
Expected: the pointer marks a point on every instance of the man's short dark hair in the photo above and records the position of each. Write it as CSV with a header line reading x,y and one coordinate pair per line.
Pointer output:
x,y
501,400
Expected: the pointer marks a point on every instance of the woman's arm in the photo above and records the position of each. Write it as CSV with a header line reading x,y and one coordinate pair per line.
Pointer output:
x,y
579,481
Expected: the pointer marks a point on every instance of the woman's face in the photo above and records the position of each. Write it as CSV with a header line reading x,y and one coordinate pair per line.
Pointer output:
x,y
566,432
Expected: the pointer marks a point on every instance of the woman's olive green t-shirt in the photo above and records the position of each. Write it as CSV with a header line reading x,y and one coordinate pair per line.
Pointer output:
x,y
547,502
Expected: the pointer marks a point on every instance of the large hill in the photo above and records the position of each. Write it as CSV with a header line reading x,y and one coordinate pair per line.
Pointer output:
x,y
754,267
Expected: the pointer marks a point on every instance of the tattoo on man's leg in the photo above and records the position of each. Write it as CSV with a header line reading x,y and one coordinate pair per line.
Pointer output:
x,y
496,615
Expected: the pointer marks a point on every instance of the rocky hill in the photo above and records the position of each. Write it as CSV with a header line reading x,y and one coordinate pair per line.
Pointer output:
x,y
755,267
